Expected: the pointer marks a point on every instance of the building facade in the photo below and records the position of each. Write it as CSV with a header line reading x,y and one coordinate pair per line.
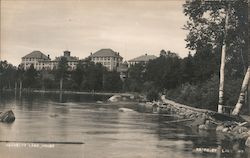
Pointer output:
x,y
41,61
72,60
108,58
37,58
143,59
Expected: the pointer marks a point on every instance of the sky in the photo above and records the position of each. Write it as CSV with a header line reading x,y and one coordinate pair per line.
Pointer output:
x,y
130,27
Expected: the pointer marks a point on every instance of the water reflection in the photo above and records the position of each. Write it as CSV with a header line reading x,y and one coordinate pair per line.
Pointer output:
x,y
105,131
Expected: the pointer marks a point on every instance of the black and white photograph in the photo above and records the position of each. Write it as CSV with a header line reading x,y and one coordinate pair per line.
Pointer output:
x,y
124,79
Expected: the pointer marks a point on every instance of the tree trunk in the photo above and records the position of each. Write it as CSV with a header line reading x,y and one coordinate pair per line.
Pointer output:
x,y
61,84
222,66
248,99
20,86
15,86
242,93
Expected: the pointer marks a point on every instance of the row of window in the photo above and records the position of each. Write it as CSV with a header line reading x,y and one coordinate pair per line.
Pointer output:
x,y
104,58
38,63
32,59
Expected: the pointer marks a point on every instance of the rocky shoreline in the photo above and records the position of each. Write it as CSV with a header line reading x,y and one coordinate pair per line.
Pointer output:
x,y
235,128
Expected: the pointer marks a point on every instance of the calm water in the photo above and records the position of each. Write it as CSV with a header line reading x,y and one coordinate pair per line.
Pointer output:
x,y
105,132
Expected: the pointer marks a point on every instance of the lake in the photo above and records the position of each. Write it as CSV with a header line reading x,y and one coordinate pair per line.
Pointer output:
x,y
76,126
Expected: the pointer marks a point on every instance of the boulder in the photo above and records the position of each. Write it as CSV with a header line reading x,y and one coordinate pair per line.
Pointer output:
x,y
99,102
203,127
219,128
7,117
226,129
125,110
115,98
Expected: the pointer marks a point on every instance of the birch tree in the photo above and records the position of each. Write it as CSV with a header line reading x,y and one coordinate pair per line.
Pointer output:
x,y
242,96
246,81
210,26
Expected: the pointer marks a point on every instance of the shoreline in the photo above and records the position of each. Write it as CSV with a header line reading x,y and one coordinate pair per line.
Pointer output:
x,y
69,92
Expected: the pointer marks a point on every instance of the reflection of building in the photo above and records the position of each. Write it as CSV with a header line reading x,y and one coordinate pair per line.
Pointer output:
x,y
143,59
108,58
41,61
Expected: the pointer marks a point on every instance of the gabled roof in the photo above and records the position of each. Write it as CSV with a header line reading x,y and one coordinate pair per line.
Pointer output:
x,y
143,58
105,53
36,54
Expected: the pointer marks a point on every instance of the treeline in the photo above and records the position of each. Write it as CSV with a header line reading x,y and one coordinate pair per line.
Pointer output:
x,y
86,77
193,80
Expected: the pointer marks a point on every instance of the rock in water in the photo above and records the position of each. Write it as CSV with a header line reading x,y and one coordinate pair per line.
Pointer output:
x,y
115,98
125,110
7,116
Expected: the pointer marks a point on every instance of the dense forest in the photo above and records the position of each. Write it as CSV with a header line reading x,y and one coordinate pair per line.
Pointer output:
x,y
193,80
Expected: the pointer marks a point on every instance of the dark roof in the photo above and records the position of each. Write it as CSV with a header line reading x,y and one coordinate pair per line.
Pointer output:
x,y
105,53
143,58
36,54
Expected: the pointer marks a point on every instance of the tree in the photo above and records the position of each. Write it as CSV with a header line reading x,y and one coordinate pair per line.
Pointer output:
x,y
20,76
78,74
7,75
165,71
62,71
136,77
242,96
245,84
93,76
112,81
30,77
210,25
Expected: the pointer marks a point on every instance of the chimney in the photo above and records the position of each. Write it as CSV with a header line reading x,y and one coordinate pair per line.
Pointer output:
x,y
146,54
66,53
48,56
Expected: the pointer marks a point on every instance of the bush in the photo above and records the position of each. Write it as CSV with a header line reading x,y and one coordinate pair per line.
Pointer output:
x,y
205,94
152,95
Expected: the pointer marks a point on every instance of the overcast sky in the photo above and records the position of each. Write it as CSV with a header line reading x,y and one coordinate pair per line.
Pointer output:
x,y
130,27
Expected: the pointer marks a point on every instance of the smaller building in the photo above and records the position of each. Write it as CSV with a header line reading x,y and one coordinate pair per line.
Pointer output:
x,y
143,59
41,61
108,58
37,58
72,60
